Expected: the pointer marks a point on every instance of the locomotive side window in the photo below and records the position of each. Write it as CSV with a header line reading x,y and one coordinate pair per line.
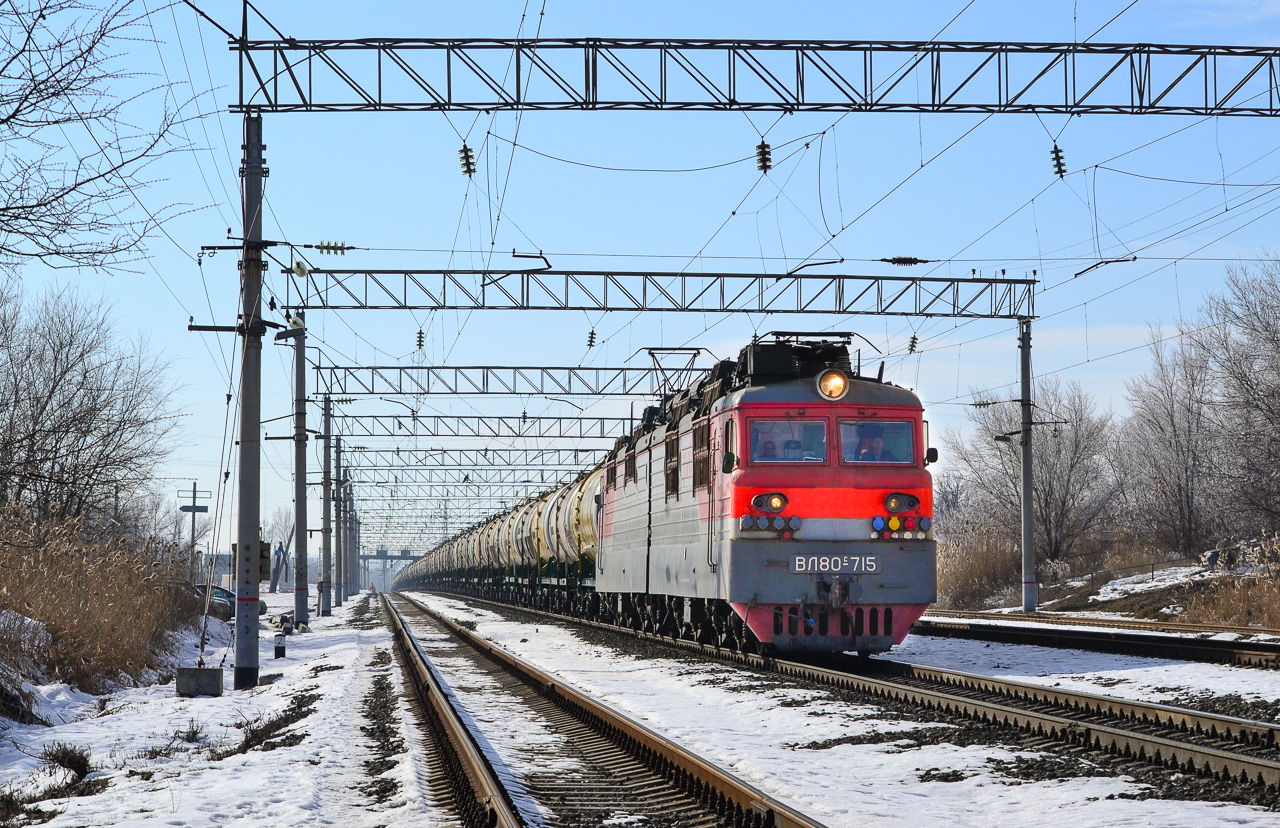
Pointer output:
x,y
877,442
629,472
701,455
673,465
788,441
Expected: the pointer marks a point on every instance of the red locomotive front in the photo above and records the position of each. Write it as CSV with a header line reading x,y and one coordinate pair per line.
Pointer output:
x,y
832,513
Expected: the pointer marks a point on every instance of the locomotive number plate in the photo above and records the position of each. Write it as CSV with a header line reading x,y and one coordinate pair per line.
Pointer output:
x,y
835,563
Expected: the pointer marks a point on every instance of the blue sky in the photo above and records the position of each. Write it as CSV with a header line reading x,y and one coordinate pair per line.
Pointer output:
x,y
991,201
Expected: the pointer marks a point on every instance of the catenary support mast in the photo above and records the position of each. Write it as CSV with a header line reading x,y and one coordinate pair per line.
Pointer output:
x,y
326,524
298,333
247,534
1029,585
339,514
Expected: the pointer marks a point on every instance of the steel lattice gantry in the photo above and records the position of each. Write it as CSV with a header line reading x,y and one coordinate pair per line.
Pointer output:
x,y
424,74
537,478
546,289
470,458
497,484
356,426
364,380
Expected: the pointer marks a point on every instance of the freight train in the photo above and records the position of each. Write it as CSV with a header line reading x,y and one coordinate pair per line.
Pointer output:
x,y
781,503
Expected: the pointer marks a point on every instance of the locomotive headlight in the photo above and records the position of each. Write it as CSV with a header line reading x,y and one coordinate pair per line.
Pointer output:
x,y
773,502
898,502
833,384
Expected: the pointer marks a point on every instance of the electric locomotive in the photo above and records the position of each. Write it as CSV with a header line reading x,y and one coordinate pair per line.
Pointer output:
x,y
782,503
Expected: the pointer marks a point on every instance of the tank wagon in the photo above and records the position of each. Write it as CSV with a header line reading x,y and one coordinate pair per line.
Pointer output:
x,y
782,503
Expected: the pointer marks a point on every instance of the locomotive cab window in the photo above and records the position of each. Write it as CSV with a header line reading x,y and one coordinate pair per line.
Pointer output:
x,y
788,441
877,442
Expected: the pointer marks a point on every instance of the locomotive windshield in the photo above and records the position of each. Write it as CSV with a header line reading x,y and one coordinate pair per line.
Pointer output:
x,y
877,442
788,441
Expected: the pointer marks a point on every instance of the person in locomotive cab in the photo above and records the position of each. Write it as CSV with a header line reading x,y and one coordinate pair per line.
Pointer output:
x,y
876,452
768,451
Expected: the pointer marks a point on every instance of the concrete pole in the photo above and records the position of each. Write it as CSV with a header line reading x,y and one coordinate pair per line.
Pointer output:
x,y
340,580
346,539
301,597
193,519
247,535
356,569
1028,527
326,521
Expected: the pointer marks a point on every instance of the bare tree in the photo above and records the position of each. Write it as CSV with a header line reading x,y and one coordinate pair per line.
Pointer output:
x,y
1073,485
1171,447
279,528
1240,332
83,417
73,156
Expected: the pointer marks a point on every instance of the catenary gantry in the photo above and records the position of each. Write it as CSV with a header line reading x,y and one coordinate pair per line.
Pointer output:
x,y
469,74
356,426
595,290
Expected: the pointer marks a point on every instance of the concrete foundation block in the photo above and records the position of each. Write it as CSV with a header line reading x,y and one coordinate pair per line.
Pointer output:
x,y
199,681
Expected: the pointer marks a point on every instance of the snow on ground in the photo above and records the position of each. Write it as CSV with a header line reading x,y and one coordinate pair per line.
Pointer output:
x,y
315,782
1138,583
745,723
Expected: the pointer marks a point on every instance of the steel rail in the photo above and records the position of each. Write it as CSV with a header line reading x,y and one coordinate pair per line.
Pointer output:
x,y
1264,654
1063,725
1113,739
466,762
1247,732
1117,623
739,802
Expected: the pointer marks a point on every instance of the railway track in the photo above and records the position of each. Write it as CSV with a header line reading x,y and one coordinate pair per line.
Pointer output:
x,y
1178,739
1125,638
582,763
1110,623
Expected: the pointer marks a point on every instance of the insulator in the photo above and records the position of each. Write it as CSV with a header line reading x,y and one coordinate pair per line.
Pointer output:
x,y
524,416
764,157
905,261
591,338
467,160
421,339
1059,166
911,346
332,248
982,404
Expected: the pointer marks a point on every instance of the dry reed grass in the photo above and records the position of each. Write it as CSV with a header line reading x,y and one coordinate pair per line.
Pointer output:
x,y
1237,600
102,607
977,569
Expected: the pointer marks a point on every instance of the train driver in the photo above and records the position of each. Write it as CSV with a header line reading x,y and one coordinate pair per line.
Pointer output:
x,y
876,452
